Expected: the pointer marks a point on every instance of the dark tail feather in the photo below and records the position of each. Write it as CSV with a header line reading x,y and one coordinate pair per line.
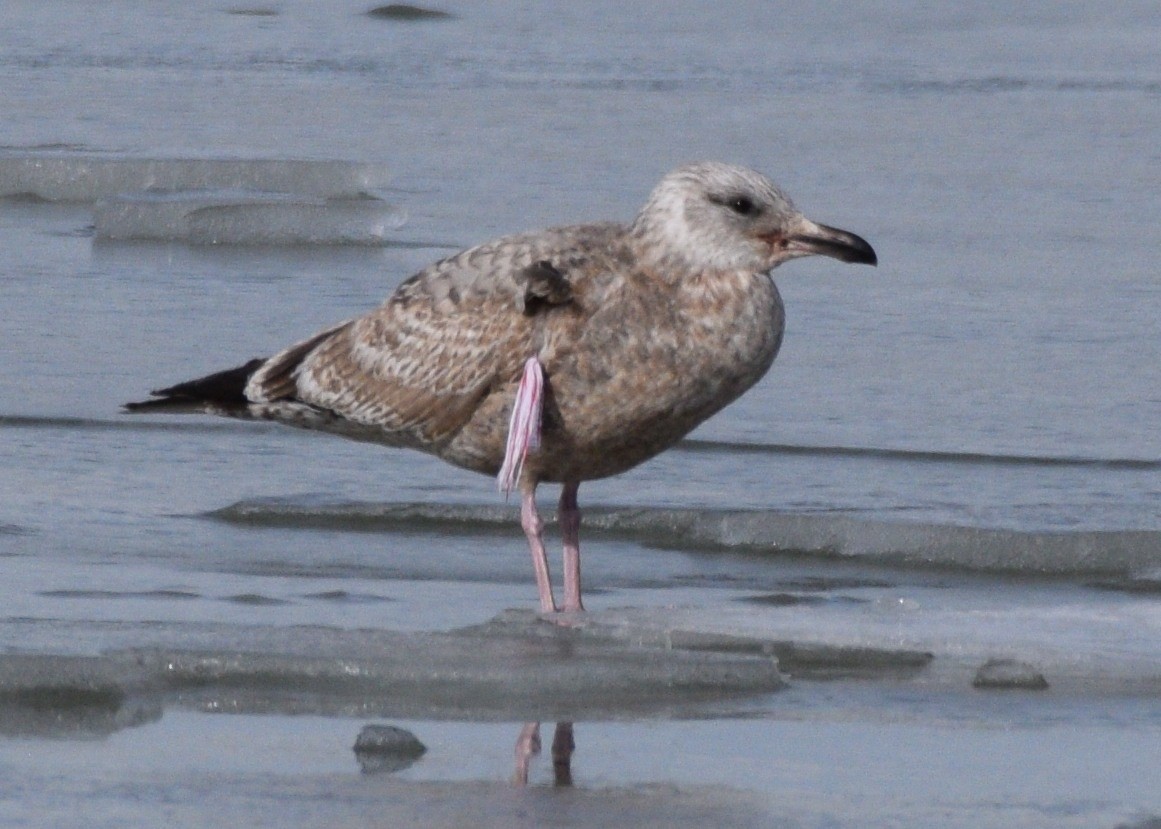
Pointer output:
x,y
223,391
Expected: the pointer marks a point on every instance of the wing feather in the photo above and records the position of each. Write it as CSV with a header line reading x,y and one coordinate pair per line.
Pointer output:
x,y
420,364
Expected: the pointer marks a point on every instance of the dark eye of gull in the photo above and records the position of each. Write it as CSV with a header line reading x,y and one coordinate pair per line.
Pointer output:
x,y
742,205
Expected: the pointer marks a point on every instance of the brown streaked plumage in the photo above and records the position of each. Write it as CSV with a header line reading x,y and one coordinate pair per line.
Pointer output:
x,y
643,330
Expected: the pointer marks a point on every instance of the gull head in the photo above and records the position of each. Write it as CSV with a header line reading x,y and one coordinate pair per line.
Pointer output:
x,y
715,216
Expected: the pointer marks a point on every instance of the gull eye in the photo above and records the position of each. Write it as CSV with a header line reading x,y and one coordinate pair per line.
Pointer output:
x,y
742,205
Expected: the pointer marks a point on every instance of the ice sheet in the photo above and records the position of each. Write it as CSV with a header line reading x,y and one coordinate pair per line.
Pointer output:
x,y
242,217
642,661
75,177
512,669
831,534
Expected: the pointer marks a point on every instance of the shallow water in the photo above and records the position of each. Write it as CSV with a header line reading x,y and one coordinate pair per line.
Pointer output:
x,y
955,457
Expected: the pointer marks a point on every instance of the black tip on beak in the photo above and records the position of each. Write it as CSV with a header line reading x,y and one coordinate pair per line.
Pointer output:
x,y
835,243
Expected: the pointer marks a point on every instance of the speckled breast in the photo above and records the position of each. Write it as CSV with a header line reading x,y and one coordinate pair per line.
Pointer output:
x,y
649,368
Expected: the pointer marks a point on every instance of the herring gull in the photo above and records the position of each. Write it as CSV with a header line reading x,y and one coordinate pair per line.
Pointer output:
x,y
562,355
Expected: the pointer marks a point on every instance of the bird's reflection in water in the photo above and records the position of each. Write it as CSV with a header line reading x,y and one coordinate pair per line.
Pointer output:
x,y
528,746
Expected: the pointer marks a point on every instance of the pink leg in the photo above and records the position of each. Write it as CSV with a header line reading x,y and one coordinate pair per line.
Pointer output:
x,y
524,437
534,529
570,517
527,747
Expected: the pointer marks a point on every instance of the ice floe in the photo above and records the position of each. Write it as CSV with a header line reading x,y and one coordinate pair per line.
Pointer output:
x,y
234,217
213,201
74,177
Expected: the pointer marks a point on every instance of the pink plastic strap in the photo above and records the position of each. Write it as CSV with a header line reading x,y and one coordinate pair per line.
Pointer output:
x,y
524,427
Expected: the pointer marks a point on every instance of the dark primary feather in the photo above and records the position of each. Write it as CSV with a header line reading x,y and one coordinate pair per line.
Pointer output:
x,y
224,389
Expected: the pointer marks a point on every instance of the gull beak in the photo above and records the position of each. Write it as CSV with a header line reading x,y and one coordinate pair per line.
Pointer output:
x,y
806,238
